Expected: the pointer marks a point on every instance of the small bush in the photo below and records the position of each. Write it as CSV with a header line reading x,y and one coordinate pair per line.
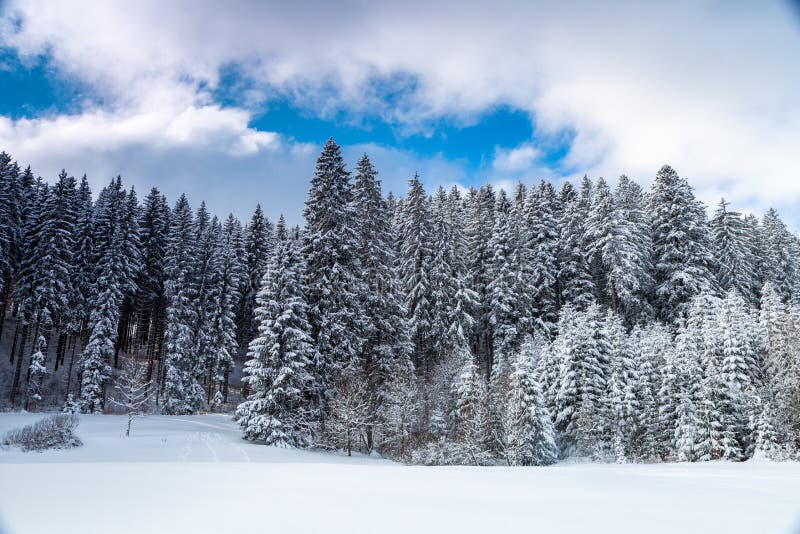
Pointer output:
x,y
444,452
54,432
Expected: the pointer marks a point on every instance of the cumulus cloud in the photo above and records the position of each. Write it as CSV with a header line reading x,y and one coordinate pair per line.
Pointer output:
x,y
709,87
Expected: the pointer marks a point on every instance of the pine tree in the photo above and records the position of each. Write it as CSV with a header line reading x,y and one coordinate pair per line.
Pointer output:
x,y
471,420
258,248
182,391
583,364
150,303
333,283
732,248
114,236
280,358
542,245
415,256
623,385
221,343
529,436
503,305
576,286
680,245
387,348
778,266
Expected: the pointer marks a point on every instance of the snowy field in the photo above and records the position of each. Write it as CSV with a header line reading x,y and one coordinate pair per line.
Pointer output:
x,y
194,474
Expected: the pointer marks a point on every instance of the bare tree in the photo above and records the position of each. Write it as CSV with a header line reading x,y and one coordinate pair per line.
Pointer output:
x,y
348,414
133,391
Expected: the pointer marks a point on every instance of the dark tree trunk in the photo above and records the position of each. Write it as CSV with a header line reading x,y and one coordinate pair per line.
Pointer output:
x,y
18,368
14,343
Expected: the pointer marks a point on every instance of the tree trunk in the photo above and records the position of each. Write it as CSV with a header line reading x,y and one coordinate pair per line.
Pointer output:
x,y
14,344
71,364
18,368
59,350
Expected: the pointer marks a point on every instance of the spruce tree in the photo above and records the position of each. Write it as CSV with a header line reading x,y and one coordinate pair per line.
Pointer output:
x,y
575,282
280,358
386,349
680,245
182,391
528,433
732,247
415,257
333,283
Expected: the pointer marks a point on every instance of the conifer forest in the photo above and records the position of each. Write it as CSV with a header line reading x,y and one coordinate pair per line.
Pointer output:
x,y
479,326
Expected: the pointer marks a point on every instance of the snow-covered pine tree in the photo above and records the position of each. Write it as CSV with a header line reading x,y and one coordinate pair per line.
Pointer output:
x,y
652,345
635,289
114,236
150,303
480,222
619,245
387,348
778,263
471,417
680,245
732,245
582,360
689,415
217,341
528,432
504,308
279,409
575,283
542,246
333,281
415,257
37,370
182,391
625,408
258,243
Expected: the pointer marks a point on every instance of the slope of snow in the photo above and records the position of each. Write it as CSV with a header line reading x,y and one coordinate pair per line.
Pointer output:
x,y
194,474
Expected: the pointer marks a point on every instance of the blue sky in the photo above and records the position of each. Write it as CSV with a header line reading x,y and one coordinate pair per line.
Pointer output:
x,y
233,105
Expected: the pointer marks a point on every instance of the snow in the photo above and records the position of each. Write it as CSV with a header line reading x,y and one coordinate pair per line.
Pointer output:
x,y
194,474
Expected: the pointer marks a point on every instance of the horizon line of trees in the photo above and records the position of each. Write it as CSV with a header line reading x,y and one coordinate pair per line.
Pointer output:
x,y
473,328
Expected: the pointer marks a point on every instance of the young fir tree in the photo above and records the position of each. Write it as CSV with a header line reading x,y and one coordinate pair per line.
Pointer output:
x,y
528,433
280,359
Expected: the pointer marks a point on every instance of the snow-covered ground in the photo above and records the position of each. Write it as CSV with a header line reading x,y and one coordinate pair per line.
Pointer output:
x,y
194,475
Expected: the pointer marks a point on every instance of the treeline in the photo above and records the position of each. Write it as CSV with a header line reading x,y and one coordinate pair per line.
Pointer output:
x,y
464,327
85,281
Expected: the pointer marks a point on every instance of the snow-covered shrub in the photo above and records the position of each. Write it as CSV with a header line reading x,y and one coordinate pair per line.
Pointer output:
x,y
54,432
444,452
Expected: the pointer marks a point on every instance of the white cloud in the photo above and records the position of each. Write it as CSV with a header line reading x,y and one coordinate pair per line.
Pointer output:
x,y
709,87
515,159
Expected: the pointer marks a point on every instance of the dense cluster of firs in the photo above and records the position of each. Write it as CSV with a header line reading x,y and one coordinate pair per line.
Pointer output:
x,y
470,327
